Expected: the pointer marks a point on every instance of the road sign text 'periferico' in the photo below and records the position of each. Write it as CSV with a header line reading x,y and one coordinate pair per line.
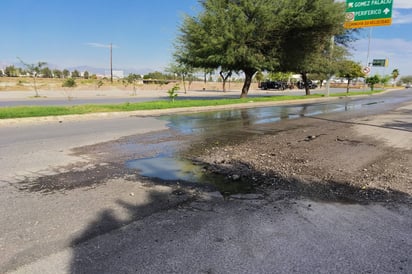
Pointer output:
x,y
368,13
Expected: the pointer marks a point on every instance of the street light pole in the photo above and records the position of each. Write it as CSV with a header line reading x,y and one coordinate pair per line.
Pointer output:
x,y
111,63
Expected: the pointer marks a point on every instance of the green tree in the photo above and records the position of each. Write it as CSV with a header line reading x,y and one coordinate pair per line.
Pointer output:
x,y
66,73
132,79
34,70
46,73
75,74
181,70
253,35
225,75
231,35
206,72
306,40
57,73
350,70
280,76
329,62
86,75
384,79
406,79
173,93
259,77
372,81
395,74
10,71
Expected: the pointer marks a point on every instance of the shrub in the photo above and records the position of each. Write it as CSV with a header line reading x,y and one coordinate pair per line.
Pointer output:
x,y
69,83
173,93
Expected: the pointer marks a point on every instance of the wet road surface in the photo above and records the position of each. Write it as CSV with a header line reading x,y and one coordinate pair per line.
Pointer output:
x,y
111,225
221,126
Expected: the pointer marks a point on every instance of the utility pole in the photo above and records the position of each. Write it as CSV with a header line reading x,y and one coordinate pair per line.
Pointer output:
x,y
111,63
330,74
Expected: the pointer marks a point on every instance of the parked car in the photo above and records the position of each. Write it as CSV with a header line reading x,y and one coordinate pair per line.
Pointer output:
x,y
311,84
273,85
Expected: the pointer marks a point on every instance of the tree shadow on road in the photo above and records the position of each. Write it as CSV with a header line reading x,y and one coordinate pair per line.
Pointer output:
x,y
88,249
116,251
306,186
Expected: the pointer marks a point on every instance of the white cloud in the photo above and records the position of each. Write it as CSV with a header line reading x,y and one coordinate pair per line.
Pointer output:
x,y
402,4
401,18
99,45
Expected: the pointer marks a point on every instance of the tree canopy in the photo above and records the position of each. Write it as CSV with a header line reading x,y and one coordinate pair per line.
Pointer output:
x,y
350,70
253,35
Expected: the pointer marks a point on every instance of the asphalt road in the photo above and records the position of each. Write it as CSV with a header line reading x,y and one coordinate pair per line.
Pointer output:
x,y
125,226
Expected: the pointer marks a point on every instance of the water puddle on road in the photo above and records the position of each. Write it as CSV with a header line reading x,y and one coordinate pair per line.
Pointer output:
x,y
234,125
174,169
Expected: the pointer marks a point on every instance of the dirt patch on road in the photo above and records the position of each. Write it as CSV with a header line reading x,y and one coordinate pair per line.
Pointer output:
x,y
320,158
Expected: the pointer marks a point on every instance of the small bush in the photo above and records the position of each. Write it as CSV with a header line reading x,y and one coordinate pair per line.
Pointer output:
x,y
99,83
69,83
173,93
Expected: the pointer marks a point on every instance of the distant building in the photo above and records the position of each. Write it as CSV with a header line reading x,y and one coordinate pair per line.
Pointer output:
x,y
116,74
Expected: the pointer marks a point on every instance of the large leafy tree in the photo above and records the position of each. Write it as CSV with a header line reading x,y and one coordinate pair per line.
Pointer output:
x,y
253,35
231,36
306,43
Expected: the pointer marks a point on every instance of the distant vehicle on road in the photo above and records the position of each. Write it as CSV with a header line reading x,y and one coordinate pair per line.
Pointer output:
x,y
280,85
311,84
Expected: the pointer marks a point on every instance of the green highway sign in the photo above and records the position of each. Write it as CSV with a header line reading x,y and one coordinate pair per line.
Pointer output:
x,y
368,13
380,62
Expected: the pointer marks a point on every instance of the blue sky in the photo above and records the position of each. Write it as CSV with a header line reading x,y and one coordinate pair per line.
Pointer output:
x,y
77,32
393,42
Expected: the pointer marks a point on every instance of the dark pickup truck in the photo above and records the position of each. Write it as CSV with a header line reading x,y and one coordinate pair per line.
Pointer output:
x,y
273,85
311,85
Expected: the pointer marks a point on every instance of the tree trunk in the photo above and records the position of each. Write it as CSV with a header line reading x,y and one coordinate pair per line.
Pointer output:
x,y
224,79
35,87
305,82
248,81
184,83
347,87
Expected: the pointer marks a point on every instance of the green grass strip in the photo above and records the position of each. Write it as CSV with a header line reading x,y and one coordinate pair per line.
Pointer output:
x,y
41,111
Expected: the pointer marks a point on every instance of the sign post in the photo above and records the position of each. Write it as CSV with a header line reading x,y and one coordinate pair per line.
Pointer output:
x,y
368,13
